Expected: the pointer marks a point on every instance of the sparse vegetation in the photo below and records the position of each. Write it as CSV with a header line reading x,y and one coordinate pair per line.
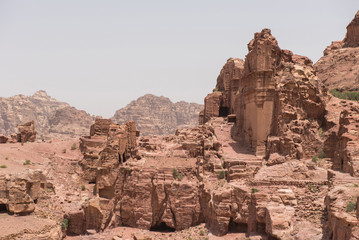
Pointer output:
x,y
27,162
321,154
254,190
314,159
3,166
73,147
83,188
63,150
201,233
311,187
22,144
321,132
65,224
347,95
222,174
6,158
350,207
177,175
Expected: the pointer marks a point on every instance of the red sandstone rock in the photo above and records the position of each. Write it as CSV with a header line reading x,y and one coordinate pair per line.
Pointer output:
x,y
27,132
18,192
337,69
3,139
352,37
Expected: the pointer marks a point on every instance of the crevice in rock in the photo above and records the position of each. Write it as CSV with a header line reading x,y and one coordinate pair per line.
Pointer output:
x,y
162,227
3,208
234,227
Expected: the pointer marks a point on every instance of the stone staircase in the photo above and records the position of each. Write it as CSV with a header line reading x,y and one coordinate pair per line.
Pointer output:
x,y
242,168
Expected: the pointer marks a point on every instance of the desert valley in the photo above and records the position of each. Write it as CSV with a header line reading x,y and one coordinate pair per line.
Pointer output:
x,y
272,154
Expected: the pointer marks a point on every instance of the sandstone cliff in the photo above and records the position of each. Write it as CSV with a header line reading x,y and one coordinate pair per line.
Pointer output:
x,y
158,115
52,118
338,68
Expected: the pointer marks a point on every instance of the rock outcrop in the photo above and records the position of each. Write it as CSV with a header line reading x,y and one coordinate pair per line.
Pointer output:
x,y
108,146
27,132
352,37
222,101
272,97
338,68
158,115
19,191
52,118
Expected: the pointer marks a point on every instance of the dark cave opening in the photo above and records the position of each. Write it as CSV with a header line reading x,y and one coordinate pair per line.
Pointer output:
x,y
234,227
122,158
261,227
270,237
162,227
223,111
3,208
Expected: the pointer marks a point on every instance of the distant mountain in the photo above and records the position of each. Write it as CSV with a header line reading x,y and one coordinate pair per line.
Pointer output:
x,y
53,118
158,115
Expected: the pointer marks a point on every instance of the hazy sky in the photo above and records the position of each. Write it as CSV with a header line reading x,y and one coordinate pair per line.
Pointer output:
x,y
100,55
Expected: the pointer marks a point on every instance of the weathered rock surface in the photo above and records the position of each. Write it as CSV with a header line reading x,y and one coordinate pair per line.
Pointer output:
x,y
19,191
107,146
338,68
158,115
272,97
27,132
52,118
222,101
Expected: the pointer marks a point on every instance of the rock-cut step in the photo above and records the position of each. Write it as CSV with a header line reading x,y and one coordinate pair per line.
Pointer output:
x,y
241,169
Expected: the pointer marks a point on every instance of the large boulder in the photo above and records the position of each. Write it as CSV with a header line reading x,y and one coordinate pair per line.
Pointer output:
x,y
27,132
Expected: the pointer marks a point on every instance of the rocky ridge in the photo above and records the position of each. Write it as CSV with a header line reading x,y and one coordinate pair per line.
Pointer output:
x,y
338,68
158,115
52,118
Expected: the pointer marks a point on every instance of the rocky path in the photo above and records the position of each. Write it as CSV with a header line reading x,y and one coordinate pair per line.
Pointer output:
x,y
238,159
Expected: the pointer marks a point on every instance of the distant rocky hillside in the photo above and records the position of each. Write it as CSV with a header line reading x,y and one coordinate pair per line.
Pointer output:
x,y
158,115
52,118
338,68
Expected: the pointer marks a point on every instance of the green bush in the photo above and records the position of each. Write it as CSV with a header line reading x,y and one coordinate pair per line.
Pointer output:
x,y
73,147
6,158
177,175
350,207
27,162
314,159
201,233
348,95
83,188
65,224
321,154
3,166
221,175
254,190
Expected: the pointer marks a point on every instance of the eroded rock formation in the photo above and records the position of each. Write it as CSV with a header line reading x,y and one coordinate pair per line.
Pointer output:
x,y
27,132
273,99
222,101
19,191
52,118
158,115
338,68
107,146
